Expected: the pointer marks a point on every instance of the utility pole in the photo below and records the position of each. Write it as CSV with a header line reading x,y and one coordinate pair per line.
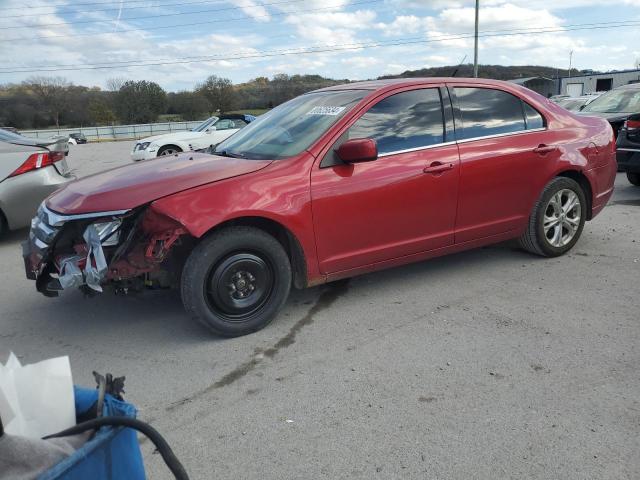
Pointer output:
x,y
570,61
475,45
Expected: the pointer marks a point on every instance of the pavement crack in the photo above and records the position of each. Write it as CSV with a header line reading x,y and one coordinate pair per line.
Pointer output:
x,y
330,294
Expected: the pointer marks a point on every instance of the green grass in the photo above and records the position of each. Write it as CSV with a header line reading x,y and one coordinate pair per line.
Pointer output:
x,y
251,111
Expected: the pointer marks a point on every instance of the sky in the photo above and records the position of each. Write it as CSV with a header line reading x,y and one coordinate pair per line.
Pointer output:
x,y
181,42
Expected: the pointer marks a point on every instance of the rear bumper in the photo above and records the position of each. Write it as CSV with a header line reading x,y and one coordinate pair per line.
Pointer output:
x,y
21,195
628,159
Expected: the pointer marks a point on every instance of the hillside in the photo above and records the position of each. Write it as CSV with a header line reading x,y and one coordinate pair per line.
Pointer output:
x,y
498,72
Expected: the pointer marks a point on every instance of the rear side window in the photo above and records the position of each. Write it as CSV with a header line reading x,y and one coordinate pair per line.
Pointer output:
x,y
485,111
404,121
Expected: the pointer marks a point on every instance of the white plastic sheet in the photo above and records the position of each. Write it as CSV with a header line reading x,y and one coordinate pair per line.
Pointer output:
x,y
36,400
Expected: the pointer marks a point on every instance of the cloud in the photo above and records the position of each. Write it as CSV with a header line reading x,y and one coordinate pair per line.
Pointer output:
x,y
332,28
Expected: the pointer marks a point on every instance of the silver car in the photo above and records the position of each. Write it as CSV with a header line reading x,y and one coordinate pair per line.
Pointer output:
x,y
30,169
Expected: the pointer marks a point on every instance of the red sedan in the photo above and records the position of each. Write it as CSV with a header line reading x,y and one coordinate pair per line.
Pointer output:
x,y
334,183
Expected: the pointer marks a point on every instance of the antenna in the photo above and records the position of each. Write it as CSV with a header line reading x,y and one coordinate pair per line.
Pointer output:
x,y
458,67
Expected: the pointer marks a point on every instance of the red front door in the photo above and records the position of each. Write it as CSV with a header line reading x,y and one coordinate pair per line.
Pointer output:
x,y
370,212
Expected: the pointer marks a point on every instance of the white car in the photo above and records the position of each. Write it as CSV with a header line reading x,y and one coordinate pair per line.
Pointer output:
x,y
210,132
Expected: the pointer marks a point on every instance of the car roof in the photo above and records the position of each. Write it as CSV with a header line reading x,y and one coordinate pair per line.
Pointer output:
x,y
401,82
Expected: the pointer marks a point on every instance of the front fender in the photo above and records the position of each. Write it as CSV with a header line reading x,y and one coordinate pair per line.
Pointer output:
x,y
279,193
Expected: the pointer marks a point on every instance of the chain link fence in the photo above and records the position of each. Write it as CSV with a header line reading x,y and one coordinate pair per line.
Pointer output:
x,y
116,132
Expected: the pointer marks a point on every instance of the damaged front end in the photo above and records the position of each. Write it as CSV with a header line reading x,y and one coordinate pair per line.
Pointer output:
x,y
127,249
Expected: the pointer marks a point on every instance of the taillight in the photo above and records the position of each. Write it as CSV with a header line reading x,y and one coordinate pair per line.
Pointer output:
x,y
38,160
632,124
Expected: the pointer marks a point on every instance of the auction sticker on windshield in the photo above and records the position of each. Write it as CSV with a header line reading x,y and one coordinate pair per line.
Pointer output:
x,y
325,111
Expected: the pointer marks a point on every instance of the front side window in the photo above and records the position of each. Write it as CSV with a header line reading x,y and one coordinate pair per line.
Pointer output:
x,y
485,111
404,121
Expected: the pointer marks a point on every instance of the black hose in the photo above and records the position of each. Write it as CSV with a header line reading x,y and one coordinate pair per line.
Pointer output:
x,y
161,444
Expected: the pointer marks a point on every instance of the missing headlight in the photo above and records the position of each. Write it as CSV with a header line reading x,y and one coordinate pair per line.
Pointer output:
x,y
109,232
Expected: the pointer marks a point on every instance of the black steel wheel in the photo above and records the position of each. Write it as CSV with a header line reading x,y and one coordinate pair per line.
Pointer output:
x,y
236,280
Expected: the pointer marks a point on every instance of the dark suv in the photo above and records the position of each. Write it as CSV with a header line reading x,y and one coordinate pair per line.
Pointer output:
x,y
628,148
621,107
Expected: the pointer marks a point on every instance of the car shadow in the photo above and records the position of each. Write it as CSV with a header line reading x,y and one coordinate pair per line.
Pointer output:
x,y
159,317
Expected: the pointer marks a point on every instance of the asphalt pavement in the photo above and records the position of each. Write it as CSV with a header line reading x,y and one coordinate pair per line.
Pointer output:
x,y
488,364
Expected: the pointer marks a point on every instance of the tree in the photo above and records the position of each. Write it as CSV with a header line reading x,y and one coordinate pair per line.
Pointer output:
x,y
140,102
114,84
219,92
189,105
52,92
100,112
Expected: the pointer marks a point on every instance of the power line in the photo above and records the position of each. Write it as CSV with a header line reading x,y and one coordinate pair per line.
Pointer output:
x,y
52,5
208,22
329,48
113,9
146,17
517,31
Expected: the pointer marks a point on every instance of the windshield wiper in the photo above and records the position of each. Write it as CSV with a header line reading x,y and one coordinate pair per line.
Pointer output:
x,y
227,153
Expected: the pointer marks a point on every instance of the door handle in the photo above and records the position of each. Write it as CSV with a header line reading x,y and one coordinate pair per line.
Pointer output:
x,y
543,149
438,167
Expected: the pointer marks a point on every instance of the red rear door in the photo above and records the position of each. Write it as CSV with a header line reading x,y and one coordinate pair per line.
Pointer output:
x,y
388,208
503,154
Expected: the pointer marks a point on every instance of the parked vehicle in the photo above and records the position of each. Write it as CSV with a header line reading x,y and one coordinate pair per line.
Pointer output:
x,y
334,183
616,105
77,138
576,104
628,149
210,132
30,169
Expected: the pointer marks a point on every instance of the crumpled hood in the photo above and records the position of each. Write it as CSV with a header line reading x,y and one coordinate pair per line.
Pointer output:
x,y
133,185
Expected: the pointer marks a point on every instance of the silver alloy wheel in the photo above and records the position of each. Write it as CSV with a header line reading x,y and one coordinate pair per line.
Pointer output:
x,y
562,218
168,151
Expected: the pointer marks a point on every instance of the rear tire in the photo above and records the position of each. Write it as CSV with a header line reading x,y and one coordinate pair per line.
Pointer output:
x,y
4,228
557,219
634,178
236,281
169,150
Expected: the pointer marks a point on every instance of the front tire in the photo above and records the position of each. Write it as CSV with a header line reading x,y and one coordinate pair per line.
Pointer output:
x,y
169,150
557,219
634,178
236,281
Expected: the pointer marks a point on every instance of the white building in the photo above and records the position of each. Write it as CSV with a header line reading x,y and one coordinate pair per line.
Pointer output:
x,y
597,82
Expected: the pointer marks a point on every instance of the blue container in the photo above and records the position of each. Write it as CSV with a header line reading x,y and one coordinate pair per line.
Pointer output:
x,y
112,454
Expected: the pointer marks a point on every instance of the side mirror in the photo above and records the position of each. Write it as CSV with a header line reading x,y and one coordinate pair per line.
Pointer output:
x,y
358,150
210,129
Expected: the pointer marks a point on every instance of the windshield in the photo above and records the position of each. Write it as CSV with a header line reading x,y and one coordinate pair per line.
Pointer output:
x,y
203,126
291,127
572,104
7,136
615,101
